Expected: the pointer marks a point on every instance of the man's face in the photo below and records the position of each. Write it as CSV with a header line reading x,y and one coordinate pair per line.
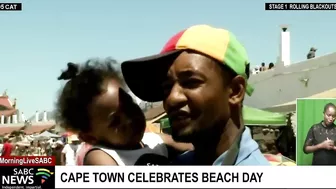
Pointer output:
x,y
329,116
197,96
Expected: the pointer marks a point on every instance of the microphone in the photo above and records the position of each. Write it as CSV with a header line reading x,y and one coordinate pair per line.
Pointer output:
x,y
152,160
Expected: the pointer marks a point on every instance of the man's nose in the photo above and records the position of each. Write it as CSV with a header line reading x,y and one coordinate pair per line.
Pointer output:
x,y
176,98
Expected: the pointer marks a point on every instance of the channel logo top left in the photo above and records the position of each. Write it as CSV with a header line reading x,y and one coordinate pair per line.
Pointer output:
x,y
10,6
23,171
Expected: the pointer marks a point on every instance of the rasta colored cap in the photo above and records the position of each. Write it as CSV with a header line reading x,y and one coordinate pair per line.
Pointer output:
x,y
144,76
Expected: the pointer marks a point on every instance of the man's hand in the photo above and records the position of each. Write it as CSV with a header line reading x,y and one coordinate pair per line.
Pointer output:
x,y
327,144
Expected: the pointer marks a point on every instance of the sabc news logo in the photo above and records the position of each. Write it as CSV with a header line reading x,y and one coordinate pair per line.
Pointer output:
x,y
44,173
26,176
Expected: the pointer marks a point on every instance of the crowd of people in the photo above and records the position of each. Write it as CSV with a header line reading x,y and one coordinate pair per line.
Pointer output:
x,y
66,150
201,79
262,68
12,146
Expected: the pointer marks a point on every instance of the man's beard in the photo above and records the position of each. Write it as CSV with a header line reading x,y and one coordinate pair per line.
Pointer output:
x,y
195,135
182,136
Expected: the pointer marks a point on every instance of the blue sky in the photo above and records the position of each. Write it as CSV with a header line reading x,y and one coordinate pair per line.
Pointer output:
x,y
38,42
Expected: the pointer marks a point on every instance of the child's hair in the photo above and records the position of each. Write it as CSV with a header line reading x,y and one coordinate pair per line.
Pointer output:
x,y
85,83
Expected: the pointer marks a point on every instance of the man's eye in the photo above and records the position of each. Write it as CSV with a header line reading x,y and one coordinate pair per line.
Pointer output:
x,y
166,87
191,83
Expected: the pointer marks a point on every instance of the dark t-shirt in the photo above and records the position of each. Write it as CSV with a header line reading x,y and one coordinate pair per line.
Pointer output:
x,y
316,135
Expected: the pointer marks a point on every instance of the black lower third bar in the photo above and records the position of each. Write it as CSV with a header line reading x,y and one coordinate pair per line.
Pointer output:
x,y
10,6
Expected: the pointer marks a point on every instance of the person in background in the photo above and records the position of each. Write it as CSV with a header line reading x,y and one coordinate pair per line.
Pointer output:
x,y
263,67
270,66
256,70
48,147
22,147
69,152
311,53
94,104
43,148
321,138
57,148
7,147
201,76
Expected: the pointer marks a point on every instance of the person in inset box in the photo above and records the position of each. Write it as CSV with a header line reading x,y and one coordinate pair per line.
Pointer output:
x,y
321,138
201,76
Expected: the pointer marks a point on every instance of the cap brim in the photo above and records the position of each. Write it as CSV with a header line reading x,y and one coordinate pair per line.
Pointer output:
x,y
144,76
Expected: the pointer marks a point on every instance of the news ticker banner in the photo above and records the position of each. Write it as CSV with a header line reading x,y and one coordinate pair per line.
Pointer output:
x,y
195,177
27,172
40,173
300,6
10,6
268,6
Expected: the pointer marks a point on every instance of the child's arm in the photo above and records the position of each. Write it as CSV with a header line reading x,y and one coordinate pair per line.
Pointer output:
x,y
181,147
98,157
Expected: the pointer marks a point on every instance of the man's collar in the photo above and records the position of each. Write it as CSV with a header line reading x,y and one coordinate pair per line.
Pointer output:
x,y
240,150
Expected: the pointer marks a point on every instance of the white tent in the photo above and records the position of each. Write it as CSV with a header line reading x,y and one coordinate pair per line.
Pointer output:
x,y
46,135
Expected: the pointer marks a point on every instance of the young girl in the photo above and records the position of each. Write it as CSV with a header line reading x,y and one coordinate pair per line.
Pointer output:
x,y
95,105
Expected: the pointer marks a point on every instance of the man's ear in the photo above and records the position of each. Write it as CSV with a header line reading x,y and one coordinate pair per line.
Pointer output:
x,y
237,88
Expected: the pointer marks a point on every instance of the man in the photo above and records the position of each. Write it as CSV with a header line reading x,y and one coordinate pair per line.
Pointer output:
x,y
263,67
57,149
201,77
70,151
7,147
320,138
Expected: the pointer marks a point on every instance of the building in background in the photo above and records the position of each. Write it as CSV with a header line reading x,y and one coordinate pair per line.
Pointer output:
x,y
281,86
12,120
8,111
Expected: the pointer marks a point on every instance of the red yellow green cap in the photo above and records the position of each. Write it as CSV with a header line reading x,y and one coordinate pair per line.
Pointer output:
x,y
217,43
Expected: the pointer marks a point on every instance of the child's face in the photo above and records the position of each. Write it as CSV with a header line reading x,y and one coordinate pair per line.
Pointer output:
x,y
114,118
